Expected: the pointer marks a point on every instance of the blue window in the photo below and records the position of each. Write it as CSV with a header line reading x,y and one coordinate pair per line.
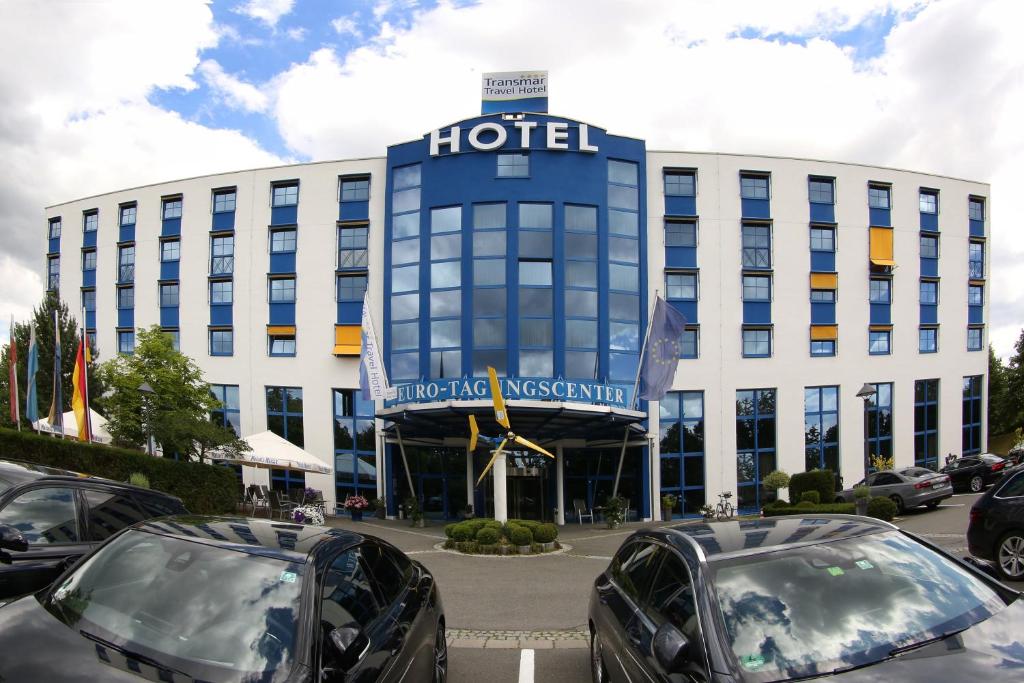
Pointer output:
x,y
581,325
53,272
929,292
757,288
755,443
823,348
126,263
690,347
175,336
489,295
757,245
170,250
929,201
405,271
513,164
823,239
878,196
352,249
351,287
222,342
681,183
281,344
284,413
89,300
221,291
821,429
757,343
222,254
54,228
169,294
682,449
926,423
976,209
878,441
282,290
823,296
972,416
753,186
880,291
355,189
975,295
283,241
929,246
90,221
126,297
879,342
974,335
127,215
228,413
680,233
126,341
355,461
928,340
172,208
681,286
224,201
89,259
284,194
821,190
976,260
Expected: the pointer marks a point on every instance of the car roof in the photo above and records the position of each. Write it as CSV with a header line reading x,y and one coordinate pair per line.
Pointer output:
x,y
269,538
16,472
726,539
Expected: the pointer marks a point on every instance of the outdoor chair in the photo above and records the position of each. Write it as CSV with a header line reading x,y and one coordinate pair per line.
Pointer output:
x,y
627,511
260,500
582,510
280,504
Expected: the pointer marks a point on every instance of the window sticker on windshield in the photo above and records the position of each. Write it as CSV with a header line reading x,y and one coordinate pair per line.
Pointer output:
x,y
288,577
835,571
864,564
752,662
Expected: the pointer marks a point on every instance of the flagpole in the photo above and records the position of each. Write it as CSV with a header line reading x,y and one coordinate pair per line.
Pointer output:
x,y
640,365
12,361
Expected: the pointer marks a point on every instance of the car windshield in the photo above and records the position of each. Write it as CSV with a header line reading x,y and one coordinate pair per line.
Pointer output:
x,y
991,458
213,613
814,609
916,472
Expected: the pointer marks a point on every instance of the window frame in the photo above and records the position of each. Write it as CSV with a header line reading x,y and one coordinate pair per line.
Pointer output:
x,y
679,173
212,342
750,187
821,180
750,330
281,289
934,195
221,197
520,168
874,335
284,186
169,203
177,249
877,190
356,193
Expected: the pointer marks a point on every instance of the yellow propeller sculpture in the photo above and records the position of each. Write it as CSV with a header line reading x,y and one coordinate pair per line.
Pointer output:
x,y
501,416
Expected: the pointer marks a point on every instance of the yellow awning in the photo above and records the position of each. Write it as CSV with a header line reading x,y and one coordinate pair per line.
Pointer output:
x,y
824,332
347,340
824,281
880,328
881,247
281,329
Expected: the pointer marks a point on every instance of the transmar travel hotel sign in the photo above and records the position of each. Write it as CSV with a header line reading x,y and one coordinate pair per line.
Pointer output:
x,y
514,91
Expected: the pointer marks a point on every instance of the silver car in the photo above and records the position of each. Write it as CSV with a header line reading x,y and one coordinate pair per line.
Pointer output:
x,y
908,487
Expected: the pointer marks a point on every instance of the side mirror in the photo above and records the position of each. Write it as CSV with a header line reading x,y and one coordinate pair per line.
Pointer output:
x,y
349,644
671,649
11,539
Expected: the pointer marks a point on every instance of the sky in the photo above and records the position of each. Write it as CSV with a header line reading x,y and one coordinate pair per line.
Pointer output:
x,y
100,95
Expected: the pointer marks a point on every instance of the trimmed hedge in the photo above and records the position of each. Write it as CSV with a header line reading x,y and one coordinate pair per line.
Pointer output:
x,y
545,533
204,489
881,508
521,536
813,497
803,508
487,536
822,481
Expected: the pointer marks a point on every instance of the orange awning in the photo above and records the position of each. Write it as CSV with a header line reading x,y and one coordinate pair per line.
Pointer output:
x,y
347,340
824,332
824,281
880,328
881,247
283,330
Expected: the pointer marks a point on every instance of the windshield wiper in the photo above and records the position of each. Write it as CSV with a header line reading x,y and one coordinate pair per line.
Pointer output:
x,y
144,659
928,641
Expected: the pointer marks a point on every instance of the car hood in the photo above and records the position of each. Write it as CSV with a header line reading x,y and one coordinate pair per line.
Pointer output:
x,y
990,650
39,647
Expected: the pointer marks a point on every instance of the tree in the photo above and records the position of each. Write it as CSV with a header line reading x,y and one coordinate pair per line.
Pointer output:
x,y
1015,387
42,316
176,413
999,417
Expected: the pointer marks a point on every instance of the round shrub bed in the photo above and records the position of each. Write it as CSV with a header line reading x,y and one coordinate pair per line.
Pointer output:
x,y
482,536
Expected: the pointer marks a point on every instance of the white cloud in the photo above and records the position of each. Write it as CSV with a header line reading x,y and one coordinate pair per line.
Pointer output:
x,y
236,93
296,33
267,11
346,25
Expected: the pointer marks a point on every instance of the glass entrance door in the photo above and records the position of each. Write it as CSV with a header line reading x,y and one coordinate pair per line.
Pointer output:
x,y
526,497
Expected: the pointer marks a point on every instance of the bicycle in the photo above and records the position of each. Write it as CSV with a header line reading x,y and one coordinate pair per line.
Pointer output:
x,y
724,509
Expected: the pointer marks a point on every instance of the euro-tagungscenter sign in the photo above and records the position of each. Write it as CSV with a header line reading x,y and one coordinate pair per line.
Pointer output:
x,y
512,388
514,91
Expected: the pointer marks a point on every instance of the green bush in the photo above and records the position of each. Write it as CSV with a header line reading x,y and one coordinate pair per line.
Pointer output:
x,y
463,532
139,479
810,497
521,535
545,533
204,489
487,536
822,481
805,505
881,508
828,509
449,529
493,524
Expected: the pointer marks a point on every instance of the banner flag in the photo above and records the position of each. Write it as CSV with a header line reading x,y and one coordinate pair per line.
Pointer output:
x,y
79,397
658,365
373,383
12,377
31,397
56,417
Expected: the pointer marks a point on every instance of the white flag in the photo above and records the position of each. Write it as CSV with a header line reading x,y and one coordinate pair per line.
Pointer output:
x,y
373,382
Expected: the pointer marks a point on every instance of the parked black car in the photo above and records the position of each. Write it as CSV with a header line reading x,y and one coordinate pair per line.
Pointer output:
x,y
223,599
63,515
996,530
799,597
974,472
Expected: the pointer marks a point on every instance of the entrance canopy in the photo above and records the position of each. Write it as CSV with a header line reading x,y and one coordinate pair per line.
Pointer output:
x,y
98,422
271,451
539,421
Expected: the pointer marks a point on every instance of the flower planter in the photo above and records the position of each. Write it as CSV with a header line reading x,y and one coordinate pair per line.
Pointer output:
x,y
357,515
862,506
666,514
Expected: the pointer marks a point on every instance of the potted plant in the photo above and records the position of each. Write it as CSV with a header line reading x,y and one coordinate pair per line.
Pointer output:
x,y
774,482
861,494
467,512
668,503
355,505
308,514
546,535
707,511
380,508
522,539
412,508
614,512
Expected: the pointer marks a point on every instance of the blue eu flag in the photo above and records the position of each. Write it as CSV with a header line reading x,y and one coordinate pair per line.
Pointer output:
x,y
658,366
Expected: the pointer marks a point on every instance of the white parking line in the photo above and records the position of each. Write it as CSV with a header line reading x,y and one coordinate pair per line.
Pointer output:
x,y
526,666
952,505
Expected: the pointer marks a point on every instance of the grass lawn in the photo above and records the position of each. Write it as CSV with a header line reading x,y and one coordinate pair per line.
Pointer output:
x,y
1001,444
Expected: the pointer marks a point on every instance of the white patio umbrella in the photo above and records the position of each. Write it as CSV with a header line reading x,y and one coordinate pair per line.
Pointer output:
x,y
271,451
99,426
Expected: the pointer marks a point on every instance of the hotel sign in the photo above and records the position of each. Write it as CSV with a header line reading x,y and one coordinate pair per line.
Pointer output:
x,y
491,135
477,388
514,91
